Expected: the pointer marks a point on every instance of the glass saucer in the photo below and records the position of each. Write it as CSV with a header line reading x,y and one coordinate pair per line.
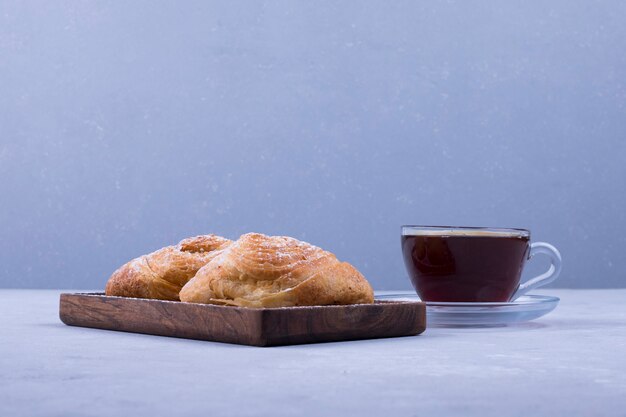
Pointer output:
x,y
446,314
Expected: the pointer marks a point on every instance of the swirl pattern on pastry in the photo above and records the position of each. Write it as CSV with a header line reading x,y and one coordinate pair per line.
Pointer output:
x,y
161,274
276,271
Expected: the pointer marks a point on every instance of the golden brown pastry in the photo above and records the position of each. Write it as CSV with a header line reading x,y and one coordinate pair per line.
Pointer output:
x,y
163,273
276,271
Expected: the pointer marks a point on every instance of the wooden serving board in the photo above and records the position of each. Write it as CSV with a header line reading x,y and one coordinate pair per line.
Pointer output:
x,y
246,326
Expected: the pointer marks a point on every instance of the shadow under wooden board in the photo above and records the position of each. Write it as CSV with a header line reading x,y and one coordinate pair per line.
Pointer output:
x,y
246,326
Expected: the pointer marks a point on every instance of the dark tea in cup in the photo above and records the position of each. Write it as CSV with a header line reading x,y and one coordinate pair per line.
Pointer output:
x,y
466,264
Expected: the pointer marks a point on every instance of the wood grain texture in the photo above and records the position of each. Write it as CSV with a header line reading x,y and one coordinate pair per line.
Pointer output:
x,y
247,326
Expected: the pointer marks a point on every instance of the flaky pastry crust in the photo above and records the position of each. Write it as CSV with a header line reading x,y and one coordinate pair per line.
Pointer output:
x,y
162,274
276,271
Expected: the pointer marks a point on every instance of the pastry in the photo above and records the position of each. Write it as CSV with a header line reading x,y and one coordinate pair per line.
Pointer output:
x,y
163,273
276,271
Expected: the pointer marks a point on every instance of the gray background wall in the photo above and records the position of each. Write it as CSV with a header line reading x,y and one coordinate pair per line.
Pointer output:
x,y
126,126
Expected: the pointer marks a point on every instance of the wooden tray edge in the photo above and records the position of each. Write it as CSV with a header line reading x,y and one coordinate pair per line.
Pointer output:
x,y
249,326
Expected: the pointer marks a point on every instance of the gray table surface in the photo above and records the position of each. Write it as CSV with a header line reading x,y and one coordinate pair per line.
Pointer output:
x,y
571,362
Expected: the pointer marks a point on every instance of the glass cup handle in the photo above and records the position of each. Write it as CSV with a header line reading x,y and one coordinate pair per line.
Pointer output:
x,y
548,276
